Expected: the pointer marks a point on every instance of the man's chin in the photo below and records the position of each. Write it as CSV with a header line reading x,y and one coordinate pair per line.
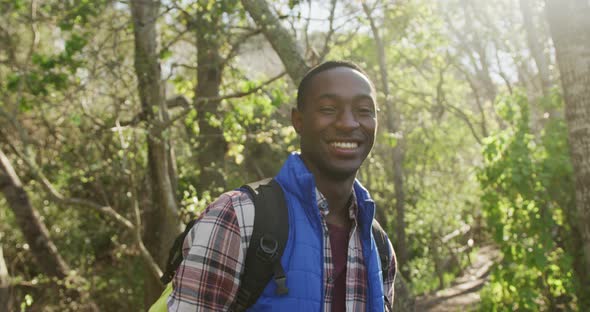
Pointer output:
x,y
332,168
342,172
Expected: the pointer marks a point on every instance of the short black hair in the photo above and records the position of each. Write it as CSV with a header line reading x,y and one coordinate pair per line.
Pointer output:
x,y
305,82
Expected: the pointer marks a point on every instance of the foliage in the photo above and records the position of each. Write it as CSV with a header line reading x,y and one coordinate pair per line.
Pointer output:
x,y
72,96
437,151
527,192
69,101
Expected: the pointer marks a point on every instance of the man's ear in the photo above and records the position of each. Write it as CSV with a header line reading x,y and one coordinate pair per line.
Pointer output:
x,y
296,120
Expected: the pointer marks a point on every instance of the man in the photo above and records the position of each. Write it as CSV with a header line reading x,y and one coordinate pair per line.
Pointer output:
x,y
331,260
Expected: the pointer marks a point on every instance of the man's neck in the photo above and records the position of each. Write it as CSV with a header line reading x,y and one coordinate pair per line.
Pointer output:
x,y
337,193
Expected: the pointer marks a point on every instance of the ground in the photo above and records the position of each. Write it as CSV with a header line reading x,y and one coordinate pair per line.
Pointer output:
x,y
463,294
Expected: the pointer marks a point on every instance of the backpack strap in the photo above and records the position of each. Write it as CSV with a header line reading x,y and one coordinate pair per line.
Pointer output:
x,y
175,255
267,244
385,256
269,237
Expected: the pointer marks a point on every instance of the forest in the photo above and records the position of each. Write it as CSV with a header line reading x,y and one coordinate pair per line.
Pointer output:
x,y
121,120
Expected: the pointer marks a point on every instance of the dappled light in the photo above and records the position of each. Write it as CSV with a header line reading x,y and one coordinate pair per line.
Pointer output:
x,y
122,121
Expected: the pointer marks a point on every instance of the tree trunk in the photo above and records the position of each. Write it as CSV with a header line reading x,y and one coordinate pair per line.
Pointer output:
x,y
543,73
393,120
5,289
280,39
212,144
29,221
34,230
161,218
570,29
535,46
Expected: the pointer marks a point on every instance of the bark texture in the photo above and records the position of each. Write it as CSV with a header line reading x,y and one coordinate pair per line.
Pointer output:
x,y
280,39
161,218
212,144
5,289
570,29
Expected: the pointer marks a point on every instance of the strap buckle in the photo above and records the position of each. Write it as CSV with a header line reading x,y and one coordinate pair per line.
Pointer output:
x,y
281,286
268,249
280,278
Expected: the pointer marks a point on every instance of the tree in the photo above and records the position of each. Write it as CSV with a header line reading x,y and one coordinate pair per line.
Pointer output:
x,y
100,99
5,287
282,42
570,30
210,65
535,45
35,231
393,124
527,190
161,219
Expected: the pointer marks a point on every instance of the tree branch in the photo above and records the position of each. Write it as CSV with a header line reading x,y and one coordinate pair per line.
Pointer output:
x,y
203,100
280,39
107,210
458,111
235,46
330,33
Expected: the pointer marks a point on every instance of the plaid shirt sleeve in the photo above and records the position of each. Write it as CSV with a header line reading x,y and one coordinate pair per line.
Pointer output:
x,y
214,251
388,281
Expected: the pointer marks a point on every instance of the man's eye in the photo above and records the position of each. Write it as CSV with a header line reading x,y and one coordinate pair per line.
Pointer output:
x,y
366,112
327,109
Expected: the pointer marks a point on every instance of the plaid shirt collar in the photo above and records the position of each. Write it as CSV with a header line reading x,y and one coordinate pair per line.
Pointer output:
x,y
322,203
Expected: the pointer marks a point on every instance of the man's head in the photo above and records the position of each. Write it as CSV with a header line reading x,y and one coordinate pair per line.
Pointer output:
x,y
335,118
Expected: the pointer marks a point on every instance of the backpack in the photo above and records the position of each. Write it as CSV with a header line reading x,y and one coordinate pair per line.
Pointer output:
x,y
267,243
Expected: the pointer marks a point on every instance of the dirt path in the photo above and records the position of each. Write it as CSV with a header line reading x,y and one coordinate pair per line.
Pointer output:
x,y
463,295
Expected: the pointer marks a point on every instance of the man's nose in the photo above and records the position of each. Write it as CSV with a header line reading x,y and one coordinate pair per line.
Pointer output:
x,y
347,120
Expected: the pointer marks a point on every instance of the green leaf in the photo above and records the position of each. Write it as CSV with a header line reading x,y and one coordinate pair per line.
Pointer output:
x,y
75,44
391,138
165,54
13,81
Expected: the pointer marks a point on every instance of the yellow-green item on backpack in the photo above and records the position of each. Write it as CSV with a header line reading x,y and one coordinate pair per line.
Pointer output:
x,y
161,304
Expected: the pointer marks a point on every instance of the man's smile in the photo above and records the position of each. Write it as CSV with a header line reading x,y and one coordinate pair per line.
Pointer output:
x,y
345,148
337,125
345,144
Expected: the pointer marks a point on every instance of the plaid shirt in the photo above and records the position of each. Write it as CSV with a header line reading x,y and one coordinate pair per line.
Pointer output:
x,y
215,248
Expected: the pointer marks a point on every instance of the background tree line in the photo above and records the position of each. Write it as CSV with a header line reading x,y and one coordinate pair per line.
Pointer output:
x,y
122,120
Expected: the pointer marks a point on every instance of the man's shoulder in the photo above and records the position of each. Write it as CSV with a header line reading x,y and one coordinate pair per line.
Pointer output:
x,y
254,185
234,200
236,204
232,211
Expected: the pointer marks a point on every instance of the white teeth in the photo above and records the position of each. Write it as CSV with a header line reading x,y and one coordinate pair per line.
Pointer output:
x,y
347,145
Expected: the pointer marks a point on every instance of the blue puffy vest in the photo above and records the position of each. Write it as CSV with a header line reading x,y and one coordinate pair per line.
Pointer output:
x,y
303,257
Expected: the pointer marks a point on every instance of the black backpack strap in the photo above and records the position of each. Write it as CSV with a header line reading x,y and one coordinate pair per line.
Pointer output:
x,y
175,255
269,237
385,256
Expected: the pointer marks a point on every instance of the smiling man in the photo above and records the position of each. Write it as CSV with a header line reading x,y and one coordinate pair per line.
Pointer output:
x,y
331,262
336,120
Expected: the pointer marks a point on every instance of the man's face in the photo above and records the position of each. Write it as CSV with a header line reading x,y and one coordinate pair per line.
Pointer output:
x,y
337,122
